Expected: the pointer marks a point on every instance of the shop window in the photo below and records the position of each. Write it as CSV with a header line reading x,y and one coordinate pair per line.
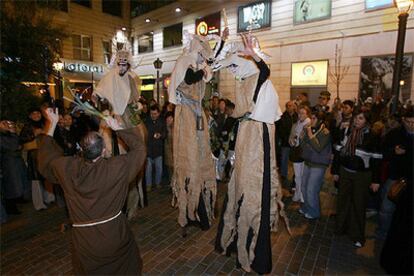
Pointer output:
x,y
61,5
85,3
173,35
113,7
107,50
140,7
146,43
119,45
82,45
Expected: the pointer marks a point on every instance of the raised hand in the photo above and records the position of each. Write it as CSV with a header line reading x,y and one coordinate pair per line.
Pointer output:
x,y
113,123
52,115
248,47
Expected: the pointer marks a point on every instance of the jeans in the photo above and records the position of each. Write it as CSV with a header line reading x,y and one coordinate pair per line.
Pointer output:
x,y
312,181
284,161
298,169
387,209
157,161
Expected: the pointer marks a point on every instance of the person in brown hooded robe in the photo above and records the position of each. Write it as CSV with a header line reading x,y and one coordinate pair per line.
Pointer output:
x,y
96,189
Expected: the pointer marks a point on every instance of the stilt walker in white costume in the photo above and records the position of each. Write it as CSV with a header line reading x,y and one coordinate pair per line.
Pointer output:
x,y
254,198
120,87
193,182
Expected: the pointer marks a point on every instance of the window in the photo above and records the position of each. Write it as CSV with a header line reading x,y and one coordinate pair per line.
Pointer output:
x,y
173,35
113,7
119,45
61,5
82,45
146,43
85,3
140,7
107,50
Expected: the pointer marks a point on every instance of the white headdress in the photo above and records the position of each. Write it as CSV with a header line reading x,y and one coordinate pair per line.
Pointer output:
x,y
194,46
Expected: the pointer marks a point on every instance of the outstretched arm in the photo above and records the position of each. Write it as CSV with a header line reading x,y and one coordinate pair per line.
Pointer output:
x,y
49,150
134,139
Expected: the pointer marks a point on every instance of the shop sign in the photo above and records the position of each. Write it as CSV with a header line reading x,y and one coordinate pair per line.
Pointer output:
x,y
313,73
254,16
209,24
83,67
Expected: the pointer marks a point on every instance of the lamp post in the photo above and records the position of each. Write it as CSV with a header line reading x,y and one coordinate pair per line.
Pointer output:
x,y
404,7
58,66
158,66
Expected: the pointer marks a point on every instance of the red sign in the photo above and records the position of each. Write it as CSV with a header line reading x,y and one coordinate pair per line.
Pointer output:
x,y
209,24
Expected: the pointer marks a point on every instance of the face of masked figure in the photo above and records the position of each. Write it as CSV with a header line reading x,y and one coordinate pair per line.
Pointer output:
x,y
238,66
202,47
123,68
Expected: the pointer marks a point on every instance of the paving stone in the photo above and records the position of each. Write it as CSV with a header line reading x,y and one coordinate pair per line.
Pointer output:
x,y
31,243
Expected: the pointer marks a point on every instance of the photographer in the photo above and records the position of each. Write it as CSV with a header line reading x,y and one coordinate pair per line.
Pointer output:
x,y
316,153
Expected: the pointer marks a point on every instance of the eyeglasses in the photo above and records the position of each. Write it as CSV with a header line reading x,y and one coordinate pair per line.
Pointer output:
x,y
323,98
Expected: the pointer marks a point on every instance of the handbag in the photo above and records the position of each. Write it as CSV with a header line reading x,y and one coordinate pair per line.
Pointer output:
x,y
396,190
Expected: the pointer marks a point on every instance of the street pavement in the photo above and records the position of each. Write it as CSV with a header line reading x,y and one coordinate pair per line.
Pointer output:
x,y
33,244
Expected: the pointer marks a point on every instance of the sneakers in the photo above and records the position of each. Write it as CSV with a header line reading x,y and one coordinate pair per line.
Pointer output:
x,y
358,244
309,217
370,213
301,212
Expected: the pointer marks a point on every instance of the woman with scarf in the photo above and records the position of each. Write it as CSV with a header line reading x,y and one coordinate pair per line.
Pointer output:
x,y
295,153
358,164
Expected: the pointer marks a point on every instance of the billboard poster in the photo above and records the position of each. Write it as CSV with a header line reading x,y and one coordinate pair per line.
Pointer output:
x,y
311,10
254,16
377,73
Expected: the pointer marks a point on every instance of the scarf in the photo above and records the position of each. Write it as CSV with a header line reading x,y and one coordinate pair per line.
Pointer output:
x,y
354,139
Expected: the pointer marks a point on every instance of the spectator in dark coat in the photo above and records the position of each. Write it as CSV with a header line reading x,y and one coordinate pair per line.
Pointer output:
x,y
398,151
14,180
157,132
359,169
283,127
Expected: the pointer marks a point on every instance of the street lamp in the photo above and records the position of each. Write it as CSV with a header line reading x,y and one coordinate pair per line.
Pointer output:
x,y
404,7
58,66
158,66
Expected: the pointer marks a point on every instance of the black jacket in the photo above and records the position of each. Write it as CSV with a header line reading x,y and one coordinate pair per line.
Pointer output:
x,y
399,165
370,146
283,127
155,147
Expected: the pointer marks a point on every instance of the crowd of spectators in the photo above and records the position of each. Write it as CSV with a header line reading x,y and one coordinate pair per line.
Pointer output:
x,y
362,145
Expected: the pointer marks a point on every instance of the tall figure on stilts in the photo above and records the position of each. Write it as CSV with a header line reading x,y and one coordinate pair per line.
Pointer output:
x,y
193,182
254,198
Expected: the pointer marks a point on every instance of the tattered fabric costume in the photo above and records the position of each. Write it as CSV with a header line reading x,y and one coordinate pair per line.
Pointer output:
x,y
193,182
254,198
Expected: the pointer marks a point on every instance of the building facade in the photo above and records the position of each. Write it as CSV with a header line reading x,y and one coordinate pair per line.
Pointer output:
x,y
301,37
93,27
